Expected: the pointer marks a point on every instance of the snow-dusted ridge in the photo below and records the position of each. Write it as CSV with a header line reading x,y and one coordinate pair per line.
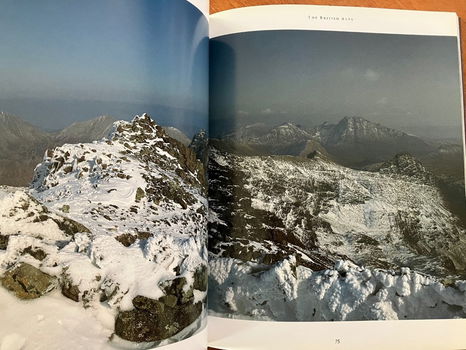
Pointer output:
x,y
280,225
345,292
117,224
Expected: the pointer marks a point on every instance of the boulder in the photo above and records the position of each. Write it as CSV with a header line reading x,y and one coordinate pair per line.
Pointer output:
x,y
152,320
126,239
36,253
155,320
27,281
3,242
200,278
70,290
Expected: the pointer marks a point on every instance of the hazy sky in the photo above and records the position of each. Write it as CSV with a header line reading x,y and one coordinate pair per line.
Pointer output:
x,y
140,52
308,77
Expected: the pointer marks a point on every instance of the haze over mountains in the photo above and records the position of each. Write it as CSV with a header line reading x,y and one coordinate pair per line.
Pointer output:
x,y
22,145
353,141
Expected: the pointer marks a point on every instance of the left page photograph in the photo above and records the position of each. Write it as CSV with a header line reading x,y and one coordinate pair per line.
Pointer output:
x,y
103,136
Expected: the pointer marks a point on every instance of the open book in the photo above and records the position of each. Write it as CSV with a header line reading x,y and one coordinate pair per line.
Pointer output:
x,y
275,167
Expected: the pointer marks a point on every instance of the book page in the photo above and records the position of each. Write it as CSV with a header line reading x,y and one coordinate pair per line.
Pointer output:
x,y
336,179
103,192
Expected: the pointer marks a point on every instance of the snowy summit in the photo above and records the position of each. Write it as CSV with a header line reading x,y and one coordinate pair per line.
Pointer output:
x,y
119,227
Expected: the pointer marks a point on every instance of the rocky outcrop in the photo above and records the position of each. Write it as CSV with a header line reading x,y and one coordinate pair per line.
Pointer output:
x,y
269,208
109,220
154,320
405,165
27,281
200,146
3,242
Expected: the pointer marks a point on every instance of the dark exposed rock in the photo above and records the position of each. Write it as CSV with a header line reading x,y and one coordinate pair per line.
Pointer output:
x,y
27,281
70,227
70,291
144,235
36,253
176,287
404,164
68,169
4,242
154,320
147,304
199,145
200,278
169,300
126,239
140,194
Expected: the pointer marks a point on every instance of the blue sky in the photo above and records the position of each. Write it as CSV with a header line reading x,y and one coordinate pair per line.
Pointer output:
x,y
408,82
140,52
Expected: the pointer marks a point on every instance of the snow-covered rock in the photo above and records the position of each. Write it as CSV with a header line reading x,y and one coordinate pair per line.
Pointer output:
x,y
119,220
345,292
266,209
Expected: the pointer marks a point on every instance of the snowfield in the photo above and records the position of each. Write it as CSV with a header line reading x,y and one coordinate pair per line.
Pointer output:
x,y
54,322
294,238
119,227
288,292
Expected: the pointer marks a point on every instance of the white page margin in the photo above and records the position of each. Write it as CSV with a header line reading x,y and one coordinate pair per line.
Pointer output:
x,y
231,334
312,17
202,5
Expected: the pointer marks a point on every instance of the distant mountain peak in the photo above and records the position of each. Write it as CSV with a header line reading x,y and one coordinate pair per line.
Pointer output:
x,y
354,129
87,130
353,119
104,117
287,124
360,122
177,134
404,164
11,118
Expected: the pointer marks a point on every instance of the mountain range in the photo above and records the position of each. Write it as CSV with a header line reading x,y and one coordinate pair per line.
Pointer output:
x,y
353,141
22,145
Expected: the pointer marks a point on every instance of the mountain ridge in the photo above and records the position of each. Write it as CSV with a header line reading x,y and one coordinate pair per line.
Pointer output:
x,y
352,141
120,221
22,144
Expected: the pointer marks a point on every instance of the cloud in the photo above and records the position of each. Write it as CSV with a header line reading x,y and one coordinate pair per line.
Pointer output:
x,y
383,101
371,75
241,112
266,111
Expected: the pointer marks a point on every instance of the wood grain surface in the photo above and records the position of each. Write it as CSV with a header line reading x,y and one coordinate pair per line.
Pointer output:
x,y
458,6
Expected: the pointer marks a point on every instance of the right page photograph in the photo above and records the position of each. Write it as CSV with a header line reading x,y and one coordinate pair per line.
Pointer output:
x,y
336,167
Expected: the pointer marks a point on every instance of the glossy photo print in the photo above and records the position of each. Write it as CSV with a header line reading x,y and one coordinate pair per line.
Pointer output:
x,y
336,177
103,204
